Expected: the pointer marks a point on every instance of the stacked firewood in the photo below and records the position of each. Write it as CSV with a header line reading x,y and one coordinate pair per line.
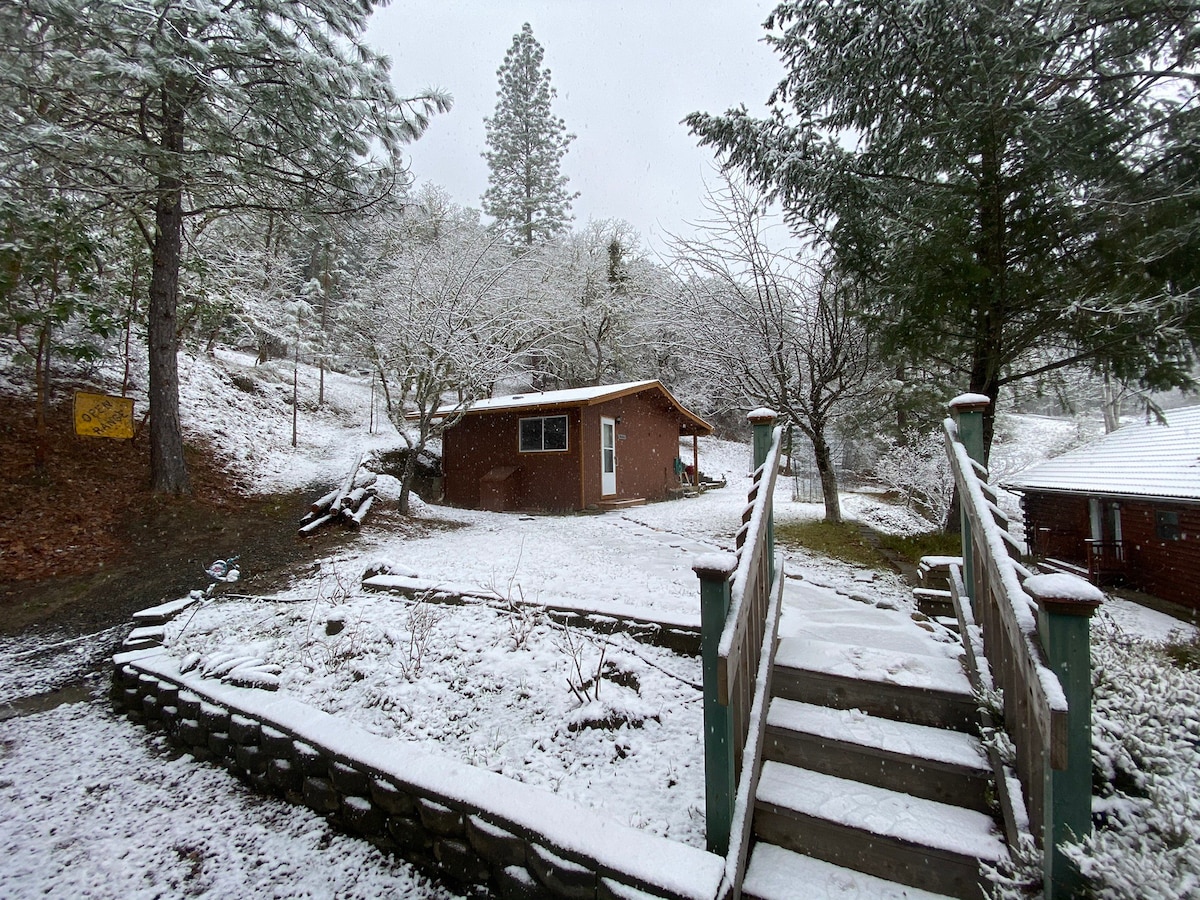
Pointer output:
x,y
348,503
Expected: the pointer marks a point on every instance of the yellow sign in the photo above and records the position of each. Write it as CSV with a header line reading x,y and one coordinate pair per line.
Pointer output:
x,y
102,415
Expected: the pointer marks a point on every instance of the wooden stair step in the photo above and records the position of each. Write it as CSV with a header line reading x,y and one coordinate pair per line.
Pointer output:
x,y
933,763
928,845
925,690
1061,565
775,873
622,504
934,603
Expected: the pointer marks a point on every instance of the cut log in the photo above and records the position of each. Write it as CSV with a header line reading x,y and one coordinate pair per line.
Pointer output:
x,y
354,499
316,523
355,519
344,502
319,506
346,487
365,478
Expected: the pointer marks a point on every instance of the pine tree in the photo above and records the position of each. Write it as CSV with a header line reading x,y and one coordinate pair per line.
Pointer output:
x,y
527,193
999,176
174,112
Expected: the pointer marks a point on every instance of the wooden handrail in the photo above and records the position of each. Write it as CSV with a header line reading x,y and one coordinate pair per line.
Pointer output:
x,y
740,599
1032,649
1011,642
747,578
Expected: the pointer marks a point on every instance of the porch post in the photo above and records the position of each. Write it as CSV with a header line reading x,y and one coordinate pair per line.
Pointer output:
x,y
720,783
763,420
967,412
695,461
1065,607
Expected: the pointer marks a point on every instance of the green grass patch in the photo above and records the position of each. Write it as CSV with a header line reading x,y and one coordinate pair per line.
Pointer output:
x,y
913,547
844,541
1184,652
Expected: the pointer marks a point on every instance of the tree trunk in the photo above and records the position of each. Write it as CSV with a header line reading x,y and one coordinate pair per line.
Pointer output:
x,y
129,325
168,471
295,392
407,476
326,281
991,315
387,394
41,443
1112,406
825,469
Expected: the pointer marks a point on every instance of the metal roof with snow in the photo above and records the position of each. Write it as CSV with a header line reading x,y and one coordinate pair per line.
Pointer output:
x,y
1146,460
588,396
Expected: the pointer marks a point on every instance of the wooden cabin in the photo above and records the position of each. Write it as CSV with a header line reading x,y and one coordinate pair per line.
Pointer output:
x,y
559,451
1124,509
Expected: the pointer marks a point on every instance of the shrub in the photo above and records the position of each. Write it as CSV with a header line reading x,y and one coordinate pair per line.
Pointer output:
x,y
918,472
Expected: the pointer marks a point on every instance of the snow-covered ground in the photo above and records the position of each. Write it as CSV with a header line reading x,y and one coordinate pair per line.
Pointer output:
x,y
97,807
608,722
244,412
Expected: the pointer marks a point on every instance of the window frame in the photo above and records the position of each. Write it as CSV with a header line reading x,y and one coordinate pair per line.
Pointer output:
x,y
1166,525
543,448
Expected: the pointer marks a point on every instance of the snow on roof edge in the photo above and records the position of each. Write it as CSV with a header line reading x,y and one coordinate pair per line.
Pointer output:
x,y
587,396
1141,461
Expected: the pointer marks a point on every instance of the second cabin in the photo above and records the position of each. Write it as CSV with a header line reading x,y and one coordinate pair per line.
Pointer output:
x,y
559,451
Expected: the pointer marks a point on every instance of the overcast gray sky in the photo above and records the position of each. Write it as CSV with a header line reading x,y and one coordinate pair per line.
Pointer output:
x,y
626,74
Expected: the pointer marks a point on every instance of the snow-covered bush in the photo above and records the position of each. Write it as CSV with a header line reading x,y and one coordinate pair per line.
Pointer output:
x,y
918,472
1145,755
1146,781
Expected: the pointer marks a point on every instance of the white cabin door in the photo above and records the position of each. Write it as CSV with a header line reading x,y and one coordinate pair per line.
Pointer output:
x,y
608,457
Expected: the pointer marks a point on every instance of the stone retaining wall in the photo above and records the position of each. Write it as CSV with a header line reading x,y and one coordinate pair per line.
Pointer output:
x,y
466,825
680,633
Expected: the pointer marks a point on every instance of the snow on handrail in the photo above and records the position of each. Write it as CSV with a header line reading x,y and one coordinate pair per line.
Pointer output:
x,y
763,491
1010,587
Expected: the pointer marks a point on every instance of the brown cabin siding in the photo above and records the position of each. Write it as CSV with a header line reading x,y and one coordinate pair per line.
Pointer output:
x,y
647,444
1167,569
477,444
1057,526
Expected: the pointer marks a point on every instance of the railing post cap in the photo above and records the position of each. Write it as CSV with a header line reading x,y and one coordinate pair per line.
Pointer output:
x,y
715,566
762,416
1064,594
966,403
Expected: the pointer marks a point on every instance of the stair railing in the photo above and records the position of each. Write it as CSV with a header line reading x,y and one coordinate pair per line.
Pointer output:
x,y
1027,637
740,594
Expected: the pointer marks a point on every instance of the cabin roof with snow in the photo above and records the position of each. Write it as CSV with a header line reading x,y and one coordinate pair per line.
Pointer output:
x,y
690,423
1145,460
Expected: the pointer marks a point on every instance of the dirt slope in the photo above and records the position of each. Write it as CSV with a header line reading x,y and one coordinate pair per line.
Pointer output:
x,y
85,542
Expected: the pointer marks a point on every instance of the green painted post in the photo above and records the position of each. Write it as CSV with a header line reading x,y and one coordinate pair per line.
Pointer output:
x,y
1065,608
720,786
967,411
763,421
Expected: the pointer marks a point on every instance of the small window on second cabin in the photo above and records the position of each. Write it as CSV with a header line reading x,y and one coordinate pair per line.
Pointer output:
x,y
543,433
1166,525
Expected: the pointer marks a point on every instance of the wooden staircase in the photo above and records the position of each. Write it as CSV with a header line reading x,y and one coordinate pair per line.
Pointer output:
x,y
872,781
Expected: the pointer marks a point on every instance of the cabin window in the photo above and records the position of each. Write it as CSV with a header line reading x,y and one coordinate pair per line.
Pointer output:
x,y
1166,524
543,433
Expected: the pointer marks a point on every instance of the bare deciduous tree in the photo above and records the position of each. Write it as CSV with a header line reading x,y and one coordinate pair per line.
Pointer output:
x,y
441,321
767,327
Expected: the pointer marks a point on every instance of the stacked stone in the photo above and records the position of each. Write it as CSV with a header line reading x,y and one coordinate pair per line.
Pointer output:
x,y
454,843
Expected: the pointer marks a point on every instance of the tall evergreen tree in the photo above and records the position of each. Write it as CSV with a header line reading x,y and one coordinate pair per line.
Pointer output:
x,y
1002,176
527,192
173,111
